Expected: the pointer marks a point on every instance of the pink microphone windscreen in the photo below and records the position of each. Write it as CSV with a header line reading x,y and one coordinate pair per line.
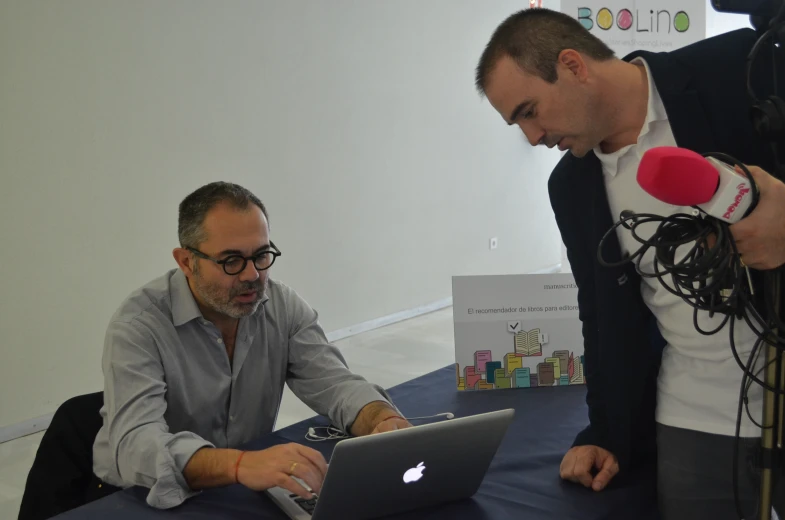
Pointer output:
x,y
677,176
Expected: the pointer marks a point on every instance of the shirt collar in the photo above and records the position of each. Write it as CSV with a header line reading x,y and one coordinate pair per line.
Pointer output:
x,y
184,307
655,111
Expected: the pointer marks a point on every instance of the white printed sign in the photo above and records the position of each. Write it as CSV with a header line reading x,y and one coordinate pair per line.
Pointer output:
x,y
517,331
650,25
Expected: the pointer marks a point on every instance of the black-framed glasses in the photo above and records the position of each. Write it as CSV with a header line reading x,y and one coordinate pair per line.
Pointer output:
x,y
235,264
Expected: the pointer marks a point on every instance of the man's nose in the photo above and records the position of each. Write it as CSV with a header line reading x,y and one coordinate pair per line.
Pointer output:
x,y
249,274
535,136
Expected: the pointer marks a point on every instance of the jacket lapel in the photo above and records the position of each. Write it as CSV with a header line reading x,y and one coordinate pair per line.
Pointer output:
x,y
690,126
601,211
602,222
688,121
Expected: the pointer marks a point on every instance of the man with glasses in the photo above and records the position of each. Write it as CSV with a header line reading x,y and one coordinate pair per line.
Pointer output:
x,y
195,362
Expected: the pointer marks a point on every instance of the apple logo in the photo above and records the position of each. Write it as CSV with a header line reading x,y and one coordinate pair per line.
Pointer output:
x,y
414,474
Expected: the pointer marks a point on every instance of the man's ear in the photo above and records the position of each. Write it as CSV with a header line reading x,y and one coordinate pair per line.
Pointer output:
x,y
572,61
185,260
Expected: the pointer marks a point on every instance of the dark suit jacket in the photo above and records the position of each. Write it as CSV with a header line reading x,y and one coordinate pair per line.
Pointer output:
x,y
703,89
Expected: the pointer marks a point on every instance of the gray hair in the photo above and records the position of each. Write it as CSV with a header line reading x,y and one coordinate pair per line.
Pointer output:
x,y
195,207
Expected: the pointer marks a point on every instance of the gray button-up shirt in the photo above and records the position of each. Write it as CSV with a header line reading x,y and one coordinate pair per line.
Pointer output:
x,y
170,390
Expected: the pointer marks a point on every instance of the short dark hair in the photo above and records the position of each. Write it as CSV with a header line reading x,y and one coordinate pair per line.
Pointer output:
x,y
534,38
195,207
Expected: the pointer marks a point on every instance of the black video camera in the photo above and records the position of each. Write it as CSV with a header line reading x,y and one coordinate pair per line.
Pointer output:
x,y
768,112
764,8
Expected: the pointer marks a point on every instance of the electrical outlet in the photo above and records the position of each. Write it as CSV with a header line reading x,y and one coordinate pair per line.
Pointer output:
x,y
494,243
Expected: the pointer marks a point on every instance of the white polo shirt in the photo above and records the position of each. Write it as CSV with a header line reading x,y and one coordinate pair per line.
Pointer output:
x,y
699,381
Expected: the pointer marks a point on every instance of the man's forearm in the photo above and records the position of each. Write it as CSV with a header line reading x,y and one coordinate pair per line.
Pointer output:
x,y
371,415
211,467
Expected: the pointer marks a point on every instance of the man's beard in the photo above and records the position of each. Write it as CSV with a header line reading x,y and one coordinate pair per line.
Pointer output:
x,y
217,299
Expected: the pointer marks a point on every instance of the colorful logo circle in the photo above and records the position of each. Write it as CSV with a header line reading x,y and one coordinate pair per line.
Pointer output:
x,y
624,19
605,18
681,22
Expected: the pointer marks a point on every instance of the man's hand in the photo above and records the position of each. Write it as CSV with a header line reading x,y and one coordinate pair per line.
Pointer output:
x,y
579,462
391,424
760,237
373,415
260,470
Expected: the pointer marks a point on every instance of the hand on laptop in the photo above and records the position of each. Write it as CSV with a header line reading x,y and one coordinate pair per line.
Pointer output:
x,y
260,470
578,465
391,424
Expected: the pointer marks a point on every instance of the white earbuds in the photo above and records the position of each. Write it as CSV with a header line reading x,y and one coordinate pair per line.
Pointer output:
x,y
331,433
448,416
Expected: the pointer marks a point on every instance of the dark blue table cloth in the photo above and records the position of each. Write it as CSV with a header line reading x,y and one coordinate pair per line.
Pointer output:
x,y
522,483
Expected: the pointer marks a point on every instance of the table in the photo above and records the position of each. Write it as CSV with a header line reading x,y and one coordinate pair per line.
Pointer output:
x,y
522,483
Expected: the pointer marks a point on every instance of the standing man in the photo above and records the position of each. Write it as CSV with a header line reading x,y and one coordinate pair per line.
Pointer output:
x,y
195,362
545,73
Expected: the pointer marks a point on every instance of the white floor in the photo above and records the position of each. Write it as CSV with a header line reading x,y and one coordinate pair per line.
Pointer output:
x,y
386,356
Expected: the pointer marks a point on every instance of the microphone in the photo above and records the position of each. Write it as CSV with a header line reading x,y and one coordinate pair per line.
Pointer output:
x,y
685,178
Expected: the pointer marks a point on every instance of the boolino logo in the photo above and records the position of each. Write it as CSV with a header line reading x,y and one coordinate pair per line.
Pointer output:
x,y
661,21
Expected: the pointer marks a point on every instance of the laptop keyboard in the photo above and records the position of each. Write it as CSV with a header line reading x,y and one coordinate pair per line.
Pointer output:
x,y
307,505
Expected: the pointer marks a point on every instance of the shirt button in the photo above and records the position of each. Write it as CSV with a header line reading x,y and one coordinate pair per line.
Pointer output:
x,y
231,417
220,340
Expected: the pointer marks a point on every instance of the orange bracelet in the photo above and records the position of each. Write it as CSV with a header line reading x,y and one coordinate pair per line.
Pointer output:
x,y
237,466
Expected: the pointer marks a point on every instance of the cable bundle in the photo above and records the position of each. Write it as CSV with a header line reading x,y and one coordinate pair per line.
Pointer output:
x,y
696,259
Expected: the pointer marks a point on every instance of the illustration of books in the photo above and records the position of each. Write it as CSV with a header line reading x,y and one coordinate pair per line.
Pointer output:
x,y
576,370
564,360
481,357
556,362
471,377
501,380
521,377
491,367
528,343
545,374
512,362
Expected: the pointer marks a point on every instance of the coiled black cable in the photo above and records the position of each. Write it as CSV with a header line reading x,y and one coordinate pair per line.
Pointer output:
x,y
696,258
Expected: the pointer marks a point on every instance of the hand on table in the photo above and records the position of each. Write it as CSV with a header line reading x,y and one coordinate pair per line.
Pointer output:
x,y
260,470
579,462
391,424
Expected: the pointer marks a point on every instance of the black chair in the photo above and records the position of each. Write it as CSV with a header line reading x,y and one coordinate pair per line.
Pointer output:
x,y
62,476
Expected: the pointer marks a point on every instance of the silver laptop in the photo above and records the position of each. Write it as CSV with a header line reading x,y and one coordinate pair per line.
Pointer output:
x,y
402,470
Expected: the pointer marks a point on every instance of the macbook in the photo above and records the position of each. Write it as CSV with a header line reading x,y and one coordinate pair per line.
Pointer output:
x,y
402,470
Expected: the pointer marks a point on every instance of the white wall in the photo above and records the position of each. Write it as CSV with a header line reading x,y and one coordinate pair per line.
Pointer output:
x,y
718,23
356,122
